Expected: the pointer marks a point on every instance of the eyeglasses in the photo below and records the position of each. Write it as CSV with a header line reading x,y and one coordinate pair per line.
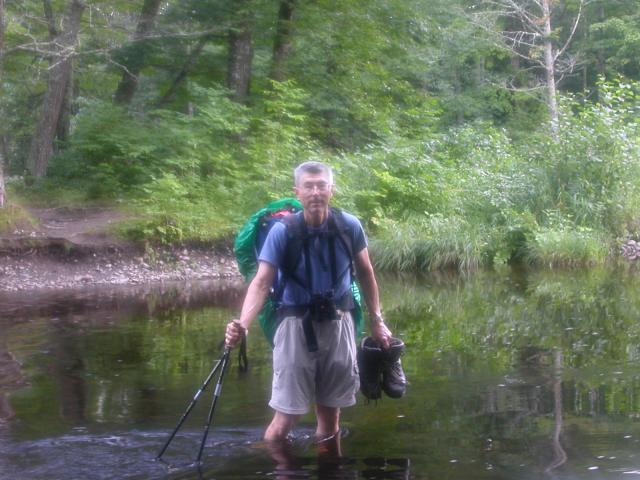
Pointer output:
x,y
320,186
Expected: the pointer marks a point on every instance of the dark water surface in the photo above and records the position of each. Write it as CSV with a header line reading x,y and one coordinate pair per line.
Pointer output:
x,y
513,376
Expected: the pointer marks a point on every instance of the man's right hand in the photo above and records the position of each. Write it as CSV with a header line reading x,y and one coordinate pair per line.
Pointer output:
x,y
234,333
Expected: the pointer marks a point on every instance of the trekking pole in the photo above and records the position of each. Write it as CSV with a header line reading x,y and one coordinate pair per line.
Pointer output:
x,y
192,404
214,400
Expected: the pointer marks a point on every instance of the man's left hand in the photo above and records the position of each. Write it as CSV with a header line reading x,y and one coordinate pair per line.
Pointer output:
x,y
381,334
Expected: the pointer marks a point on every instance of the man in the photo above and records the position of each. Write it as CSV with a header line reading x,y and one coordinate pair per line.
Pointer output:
x,y
313,360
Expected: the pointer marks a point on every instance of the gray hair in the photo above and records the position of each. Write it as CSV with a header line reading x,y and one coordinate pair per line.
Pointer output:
x,y
313,168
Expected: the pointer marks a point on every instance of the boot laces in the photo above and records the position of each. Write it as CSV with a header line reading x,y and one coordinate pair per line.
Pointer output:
x,y
396,372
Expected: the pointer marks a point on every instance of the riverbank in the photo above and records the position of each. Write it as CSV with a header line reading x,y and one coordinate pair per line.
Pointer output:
x,y
74,247
58,266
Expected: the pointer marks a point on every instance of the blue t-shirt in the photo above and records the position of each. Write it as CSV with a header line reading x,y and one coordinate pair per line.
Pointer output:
x,y
273,252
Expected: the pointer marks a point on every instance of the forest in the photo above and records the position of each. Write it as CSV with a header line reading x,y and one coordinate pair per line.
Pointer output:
x,y
464,133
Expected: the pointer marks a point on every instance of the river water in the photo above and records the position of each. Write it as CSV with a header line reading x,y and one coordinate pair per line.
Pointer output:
x,y
513,375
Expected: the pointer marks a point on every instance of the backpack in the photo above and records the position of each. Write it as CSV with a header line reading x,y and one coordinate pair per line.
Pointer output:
x,y
250,240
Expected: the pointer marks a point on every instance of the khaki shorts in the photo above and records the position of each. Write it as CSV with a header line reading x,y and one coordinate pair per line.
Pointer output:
x,y
328,376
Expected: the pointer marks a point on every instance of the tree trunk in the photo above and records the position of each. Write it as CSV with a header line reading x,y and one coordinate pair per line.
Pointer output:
x,y
2,146
601,61
3,194
64,120
63,124
59,74
550,63
51,21
240,58
129,82
457,90
189,63
282,41
560,456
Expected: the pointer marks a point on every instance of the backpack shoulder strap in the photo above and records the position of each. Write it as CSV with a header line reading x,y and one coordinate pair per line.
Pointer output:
x,y
340,227
297,238
296,235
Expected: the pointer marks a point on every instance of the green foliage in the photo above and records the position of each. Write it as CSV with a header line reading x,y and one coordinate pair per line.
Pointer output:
x,y
189,174
567,248
446,166
111,152
45,193
396,179
357,60
616,38
14,217
592,170
473,196
184,210
498,199
280,136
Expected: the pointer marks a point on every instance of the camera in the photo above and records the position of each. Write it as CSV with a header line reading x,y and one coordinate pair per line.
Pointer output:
x,y
323,307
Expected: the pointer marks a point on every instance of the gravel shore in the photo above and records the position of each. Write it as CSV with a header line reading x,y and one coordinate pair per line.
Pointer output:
x,y
57,268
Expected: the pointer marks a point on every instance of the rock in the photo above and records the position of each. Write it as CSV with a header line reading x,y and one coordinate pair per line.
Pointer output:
x,y
630,250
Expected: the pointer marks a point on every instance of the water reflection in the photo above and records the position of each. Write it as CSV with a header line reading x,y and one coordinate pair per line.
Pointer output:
x,y
513,375
10,378
99,303
301,457
559,346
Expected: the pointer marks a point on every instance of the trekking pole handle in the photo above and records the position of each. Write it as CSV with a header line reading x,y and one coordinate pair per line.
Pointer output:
x,y
239,330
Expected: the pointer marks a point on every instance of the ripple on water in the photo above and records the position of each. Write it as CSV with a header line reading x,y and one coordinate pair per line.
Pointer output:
x,y
228,454
115,455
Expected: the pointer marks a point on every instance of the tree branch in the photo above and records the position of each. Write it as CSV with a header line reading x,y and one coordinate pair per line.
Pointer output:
x,y
42,48
573,31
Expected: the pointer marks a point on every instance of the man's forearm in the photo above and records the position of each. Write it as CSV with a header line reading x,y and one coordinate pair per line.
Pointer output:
x,y
379,330
370,293
368,283
253,302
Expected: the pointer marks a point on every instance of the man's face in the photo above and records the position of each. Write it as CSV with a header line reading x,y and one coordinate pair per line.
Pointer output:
x,y
314,192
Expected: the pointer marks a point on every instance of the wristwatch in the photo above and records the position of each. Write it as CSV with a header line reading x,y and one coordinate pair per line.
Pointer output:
x,y
376,318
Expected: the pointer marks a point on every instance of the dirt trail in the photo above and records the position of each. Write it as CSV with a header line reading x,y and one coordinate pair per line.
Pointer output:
x,y
89,226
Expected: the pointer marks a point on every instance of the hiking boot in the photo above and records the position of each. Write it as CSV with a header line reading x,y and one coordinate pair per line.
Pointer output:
x,y
394,382
370,368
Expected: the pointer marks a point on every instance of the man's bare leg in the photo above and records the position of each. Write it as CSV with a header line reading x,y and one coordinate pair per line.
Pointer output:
x,y
328,421
282,454
280,426
328,435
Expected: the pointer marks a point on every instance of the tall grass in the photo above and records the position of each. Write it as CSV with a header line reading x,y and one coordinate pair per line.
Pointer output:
x,y
14,218
567,248
436,243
